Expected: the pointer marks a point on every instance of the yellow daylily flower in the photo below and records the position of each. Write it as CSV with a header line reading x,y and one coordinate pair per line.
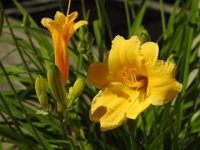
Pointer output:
x,y
62,28
130,80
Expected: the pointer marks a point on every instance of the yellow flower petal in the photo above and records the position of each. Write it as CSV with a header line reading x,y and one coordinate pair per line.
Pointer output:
x,y
61,55
150,51
46,22
62,28
52,25
162,83
59,18
131,80
109,106
71,17
136,108
98,74
124,53
79,24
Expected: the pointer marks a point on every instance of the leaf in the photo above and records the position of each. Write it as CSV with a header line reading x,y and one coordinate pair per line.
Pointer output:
x,y
138,20
1,21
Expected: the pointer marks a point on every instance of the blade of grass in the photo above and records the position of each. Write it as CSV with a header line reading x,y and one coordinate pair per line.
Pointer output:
x,y
138,20
35,51
106,19
127,15
1,20
21,105
172,19
162,13
19,49
43,42
16,124
191,31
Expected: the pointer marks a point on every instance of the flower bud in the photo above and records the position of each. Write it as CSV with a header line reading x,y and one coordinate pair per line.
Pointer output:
x,y
56,85
81,47
43,99
77,89
40,88
143,35
171,58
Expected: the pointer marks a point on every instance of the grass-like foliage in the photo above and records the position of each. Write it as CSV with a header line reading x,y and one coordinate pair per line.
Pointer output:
x,y
175,125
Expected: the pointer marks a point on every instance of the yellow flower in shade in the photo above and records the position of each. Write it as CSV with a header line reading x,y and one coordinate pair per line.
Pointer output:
x,y
130,80
62,29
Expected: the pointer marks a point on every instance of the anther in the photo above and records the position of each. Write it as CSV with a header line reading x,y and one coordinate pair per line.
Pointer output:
x,y
130,79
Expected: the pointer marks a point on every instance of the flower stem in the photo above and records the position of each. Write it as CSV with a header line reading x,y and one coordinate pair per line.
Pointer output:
x,y
80,61
66,133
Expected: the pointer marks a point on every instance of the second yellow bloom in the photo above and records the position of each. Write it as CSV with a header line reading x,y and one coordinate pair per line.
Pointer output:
x,y
62,28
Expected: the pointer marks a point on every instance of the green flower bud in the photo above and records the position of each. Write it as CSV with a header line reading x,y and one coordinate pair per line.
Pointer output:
x,y
77,89
81,47
143,35
171,58
56,86
40,88
43,99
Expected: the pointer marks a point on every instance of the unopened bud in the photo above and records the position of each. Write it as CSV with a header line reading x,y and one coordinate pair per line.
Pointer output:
x,y
56,85
43,99
77,89
143,35
171,58
40,88
81,47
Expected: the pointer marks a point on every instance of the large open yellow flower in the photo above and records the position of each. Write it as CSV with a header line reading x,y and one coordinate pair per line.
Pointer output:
x,y
62,28
130,80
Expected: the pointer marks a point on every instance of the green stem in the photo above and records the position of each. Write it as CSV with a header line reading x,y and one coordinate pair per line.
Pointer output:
x,y
192,16
106,20
127,16
83,9
163,19
80,62
144,132
132,11
66,133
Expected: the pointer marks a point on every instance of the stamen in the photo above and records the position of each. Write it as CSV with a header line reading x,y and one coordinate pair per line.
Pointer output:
x,y
133,75
131,80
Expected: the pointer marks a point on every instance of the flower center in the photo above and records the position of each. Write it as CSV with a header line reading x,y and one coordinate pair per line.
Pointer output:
x,y
132,80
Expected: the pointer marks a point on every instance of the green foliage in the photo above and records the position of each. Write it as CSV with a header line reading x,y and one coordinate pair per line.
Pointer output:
x,y
175,125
